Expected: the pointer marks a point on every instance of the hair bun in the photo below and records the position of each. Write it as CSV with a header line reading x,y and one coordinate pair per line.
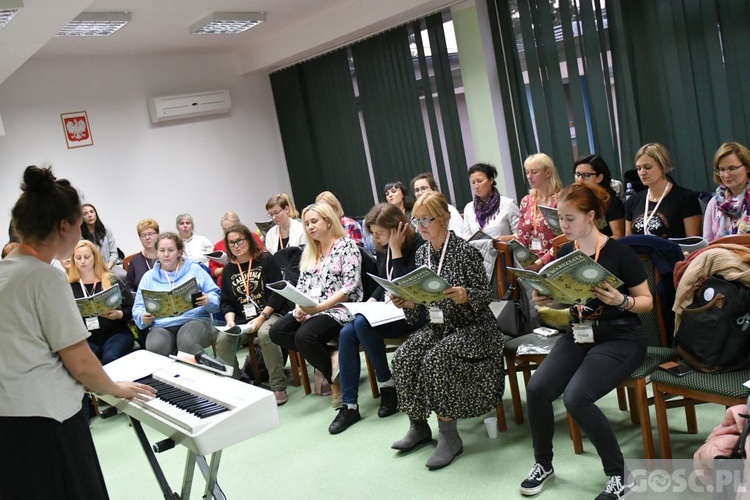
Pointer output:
x,y
37,179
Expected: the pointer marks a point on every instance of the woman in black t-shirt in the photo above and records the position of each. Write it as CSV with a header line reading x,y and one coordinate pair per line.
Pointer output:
x,y
663,209
604,344
592,169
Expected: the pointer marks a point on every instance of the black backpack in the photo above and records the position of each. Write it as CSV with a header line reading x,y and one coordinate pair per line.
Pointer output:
x,y
714,334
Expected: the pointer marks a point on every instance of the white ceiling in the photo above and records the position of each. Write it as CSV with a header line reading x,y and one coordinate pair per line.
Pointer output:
x,y
294,30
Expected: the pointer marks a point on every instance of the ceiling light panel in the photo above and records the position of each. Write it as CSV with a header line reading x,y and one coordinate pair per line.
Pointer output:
x,y
227,23
8,9
96,24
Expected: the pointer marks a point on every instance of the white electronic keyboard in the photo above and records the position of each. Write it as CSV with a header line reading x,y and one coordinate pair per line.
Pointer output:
x,y
199,409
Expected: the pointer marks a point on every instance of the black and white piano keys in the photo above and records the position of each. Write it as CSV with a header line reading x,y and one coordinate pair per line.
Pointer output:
x,y
198,409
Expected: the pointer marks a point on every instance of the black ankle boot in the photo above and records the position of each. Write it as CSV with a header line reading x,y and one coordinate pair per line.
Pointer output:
x,y
388,402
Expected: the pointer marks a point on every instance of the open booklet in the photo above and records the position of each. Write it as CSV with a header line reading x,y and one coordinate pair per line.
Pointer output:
x,y
290,292
377,313
165,303
218,256
569,278
553,220
100,303
521,254
421,286
263,227
480,235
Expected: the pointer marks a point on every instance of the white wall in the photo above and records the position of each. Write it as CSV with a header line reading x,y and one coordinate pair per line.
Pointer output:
x,y
135,169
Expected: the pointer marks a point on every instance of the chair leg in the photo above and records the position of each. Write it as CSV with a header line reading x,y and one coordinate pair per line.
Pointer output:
x,y
502,424
575,435
295,368
692,422
510,368
621,401
94,404
641,401
661,422
632,396
371,376
254,360
305,376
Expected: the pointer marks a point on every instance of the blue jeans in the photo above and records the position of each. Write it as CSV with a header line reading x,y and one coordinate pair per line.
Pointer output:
x,y
109,348
359,332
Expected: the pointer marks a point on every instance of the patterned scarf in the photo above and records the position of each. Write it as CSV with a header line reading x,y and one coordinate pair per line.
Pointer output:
x,y
486,209
732,216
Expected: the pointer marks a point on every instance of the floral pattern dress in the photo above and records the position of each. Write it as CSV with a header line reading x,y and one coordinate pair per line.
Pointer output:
x,y
525,231
340,270
454,369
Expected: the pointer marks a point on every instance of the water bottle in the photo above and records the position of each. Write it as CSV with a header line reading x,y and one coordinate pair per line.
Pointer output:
x,y
629,191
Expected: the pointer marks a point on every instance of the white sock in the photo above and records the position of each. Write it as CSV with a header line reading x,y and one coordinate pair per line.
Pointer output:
x,y
352,406
388,383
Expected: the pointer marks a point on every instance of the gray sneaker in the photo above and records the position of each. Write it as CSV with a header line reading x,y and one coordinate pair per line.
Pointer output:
x,y
536,479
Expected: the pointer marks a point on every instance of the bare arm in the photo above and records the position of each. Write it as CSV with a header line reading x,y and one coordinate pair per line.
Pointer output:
x,y
617,227
693,225
628,228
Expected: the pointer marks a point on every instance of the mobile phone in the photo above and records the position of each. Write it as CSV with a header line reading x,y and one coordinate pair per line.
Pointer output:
x,y
676,369
195,296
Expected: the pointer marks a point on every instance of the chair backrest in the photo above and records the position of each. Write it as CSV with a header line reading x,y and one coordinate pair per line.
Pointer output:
x,y
557,242
369,265
504,277
126,261
654,326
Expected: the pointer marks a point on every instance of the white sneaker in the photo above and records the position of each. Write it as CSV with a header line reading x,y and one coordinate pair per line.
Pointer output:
x,y
536,479
615,489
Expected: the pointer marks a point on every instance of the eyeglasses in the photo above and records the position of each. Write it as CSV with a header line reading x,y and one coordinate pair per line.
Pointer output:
x,y
149,235
422,189
728,170
424,222
271,215
583,175
237,243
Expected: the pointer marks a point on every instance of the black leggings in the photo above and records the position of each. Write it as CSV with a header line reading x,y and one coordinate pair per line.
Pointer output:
x,y
585,373
309,338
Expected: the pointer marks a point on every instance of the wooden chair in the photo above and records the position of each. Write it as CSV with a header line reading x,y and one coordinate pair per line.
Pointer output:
x,y
390,346
126,261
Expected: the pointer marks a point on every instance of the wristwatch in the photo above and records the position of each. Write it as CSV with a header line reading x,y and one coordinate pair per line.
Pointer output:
x,y
265,315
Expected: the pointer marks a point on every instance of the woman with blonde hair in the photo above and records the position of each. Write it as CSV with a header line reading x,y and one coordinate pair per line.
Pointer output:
x,y
88,274
664,209
330,273
288,230
452,366
728,212
351,226
533,231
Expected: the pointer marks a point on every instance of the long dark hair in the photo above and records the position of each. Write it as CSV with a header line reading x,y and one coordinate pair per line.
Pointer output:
x,y
255,250
99,230
601,168
408,201
388,216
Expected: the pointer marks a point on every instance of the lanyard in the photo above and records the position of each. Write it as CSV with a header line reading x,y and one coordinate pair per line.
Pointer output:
x,y
281,241
600,241
31,251
85,292
320,254
442,255
534,215
171,283
246,281
646,217
148,264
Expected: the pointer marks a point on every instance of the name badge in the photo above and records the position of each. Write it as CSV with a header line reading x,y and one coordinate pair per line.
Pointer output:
x,y
250,310
436,315
583,333
536,244
92,323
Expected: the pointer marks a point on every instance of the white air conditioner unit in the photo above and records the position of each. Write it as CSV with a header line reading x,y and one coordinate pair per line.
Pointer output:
x,y
179,107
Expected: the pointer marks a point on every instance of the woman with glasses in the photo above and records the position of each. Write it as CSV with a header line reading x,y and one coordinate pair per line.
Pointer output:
x,y
592,169
533,231
228,219
728,212
246,299
192,330
425,183
143,261
330,273
396,243
288,230
491,213
664,209
453,366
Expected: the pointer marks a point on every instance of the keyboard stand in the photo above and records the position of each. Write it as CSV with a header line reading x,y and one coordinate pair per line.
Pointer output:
x,y
213,490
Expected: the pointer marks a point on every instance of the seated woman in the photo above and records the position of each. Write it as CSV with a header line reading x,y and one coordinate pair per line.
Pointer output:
x,y
493,214
93,230
728,212
288,231
425,183
246,299
396,243
533,231
664,209
330,272
142,262
191,331
351,227
592,169
396,194
604,344
111,337
196,246
453,366
228,219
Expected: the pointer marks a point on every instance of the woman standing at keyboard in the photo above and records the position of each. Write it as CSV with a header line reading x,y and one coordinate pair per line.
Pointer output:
x,y
47,451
